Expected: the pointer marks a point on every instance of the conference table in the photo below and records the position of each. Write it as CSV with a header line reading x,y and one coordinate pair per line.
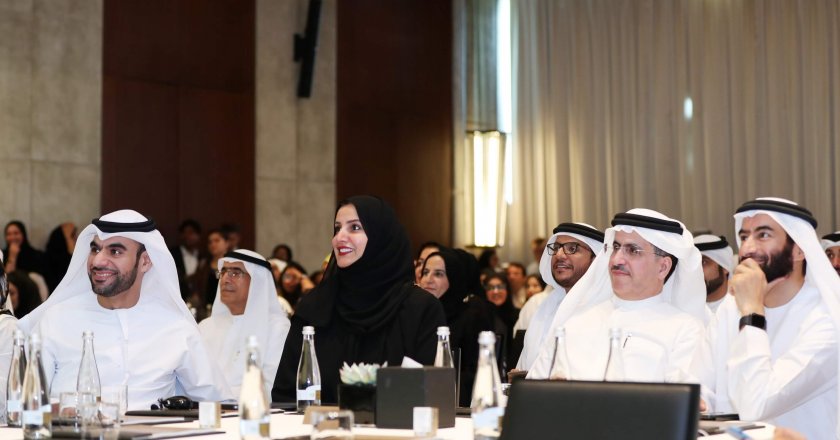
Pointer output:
x,y
291,426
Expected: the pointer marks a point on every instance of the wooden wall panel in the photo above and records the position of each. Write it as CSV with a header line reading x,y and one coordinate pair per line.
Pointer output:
x,y
178,111
395,110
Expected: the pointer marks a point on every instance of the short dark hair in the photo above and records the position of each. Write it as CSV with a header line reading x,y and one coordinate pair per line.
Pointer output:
x,y
189,223
519,266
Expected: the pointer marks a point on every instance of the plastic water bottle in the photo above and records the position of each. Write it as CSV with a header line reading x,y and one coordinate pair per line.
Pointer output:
x,y
254,407
308,374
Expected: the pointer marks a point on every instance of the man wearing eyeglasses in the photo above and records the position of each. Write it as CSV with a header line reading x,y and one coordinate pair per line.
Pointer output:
x,y
122,285
649,285
246,304
831,245
567,255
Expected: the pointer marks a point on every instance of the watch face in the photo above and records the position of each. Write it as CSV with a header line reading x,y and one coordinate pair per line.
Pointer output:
x,y
754,320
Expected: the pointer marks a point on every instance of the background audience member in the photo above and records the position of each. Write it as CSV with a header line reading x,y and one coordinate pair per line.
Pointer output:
x,y
187,256
497,291
206,281
488,261
20,255
23,293
534,284
282,252
537,246
516,280
294,283
448,276
423,251
59,249
233,234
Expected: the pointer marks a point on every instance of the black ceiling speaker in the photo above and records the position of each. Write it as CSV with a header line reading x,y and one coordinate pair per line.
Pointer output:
x,y
304,51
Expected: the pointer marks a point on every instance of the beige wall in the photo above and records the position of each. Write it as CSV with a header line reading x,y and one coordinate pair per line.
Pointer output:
x,y
295,137
50,112
50,130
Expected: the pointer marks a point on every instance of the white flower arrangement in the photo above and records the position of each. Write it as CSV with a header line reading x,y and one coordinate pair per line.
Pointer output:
x,y
359,374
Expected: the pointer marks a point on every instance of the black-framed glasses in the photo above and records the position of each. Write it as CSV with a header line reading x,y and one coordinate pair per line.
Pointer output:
x,y
232,272
569,248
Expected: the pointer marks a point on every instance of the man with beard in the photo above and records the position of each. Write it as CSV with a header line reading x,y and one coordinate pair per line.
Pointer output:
x,y
648,286
122,285
717,265
775,341
566,257
831,246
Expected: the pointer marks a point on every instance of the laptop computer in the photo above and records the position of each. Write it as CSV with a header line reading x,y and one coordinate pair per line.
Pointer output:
x,y
574,410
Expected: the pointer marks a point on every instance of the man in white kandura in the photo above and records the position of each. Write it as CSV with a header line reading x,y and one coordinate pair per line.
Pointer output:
x,y
123,286
718,263
775,341
650,286
246,304
831,246
567,255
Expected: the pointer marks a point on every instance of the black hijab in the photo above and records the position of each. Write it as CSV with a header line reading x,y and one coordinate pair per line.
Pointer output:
x,y
368,293
58,257
457,275
29,259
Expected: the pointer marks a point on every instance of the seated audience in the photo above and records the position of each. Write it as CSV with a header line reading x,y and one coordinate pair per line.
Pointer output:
x,y
59,249
23,293
245,305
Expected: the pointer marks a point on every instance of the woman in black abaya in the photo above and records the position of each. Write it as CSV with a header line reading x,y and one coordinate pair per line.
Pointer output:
x,y
451,275
367,308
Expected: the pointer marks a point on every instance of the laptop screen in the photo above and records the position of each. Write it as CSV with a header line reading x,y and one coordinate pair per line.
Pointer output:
x,y
601,410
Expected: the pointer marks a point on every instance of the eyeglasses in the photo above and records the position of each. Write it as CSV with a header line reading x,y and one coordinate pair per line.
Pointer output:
x,y
491,287
632,251
569,248
233,273
175,402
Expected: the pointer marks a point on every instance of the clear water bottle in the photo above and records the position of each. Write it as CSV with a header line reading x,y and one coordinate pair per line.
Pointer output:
x,y
14,384
254,407
443,356
308,374
615,362
560,363
88,386
37,414
487,399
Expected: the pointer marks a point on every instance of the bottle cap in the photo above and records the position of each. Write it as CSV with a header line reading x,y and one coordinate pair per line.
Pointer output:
x,y
443,331
252,341
87,334
486,338
560,332
308,330
34,338
19,334
615,332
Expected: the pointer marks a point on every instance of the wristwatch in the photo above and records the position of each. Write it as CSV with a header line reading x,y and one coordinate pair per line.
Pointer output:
x,y
753,319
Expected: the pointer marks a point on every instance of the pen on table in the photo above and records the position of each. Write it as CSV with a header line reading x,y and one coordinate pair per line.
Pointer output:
x,y
738,433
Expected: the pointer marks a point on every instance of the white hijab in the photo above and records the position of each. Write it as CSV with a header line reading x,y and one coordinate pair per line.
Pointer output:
x,y
159,284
